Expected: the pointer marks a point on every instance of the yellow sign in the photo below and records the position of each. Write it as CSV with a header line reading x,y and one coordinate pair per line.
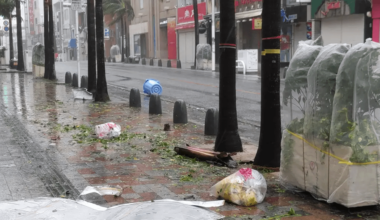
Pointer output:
x,y
257,23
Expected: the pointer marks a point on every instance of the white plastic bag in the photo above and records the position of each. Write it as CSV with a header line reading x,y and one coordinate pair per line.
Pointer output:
x,y
246,187
107,130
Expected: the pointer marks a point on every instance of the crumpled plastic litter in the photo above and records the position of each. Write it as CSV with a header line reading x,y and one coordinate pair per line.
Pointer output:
x,y
246,187
107,130
103,190
63,209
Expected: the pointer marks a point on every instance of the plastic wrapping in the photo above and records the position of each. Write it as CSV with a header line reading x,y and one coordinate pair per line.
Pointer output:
x,y
63,209
114,50
318,110
203,57
294,98
355,129
245,187
338,161
107,130
38,55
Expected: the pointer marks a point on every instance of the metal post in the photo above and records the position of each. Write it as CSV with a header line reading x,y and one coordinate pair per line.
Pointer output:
x,y
78,46
213,35
62,49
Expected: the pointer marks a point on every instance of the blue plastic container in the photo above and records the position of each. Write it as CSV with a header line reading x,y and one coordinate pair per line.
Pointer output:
x,y
152,86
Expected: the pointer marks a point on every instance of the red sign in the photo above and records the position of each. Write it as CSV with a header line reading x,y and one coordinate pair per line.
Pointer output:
x,y
31,17
172,40
186,14
333,5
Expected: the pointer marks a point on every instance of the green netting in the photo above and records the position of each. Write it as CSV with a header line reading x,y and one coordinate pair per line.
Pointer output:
x,y
38,55
321,89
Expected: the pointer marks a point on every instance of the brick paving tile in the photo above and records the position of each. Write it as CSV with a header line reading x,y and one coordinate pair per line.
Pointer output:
x,y
279,201
86,171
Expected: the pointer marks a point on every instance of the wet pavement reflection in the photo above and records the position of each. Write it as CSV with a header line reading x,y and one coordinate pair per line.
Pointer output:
x,y
143,163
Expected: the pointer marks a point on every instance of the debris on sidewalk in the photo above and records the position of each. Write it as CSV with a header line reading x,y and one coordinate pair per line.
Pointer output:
x,y
57,208
107,130
152,86
166,127
103,190
82,94
212,157
246,187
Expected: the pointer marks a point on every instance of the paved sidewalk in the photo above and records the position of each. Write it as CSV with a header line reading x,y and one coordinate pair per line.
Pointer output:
x,y
44,126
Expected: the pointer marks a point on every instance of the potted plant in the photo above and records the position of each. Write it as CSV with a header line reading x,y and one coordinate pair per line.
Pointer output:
x,y
294,98
355,129
318,110
38,60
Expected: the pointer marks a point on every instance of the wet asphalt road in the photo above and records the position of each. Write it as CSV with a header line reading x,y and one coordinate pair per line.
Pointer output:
x,y
199,89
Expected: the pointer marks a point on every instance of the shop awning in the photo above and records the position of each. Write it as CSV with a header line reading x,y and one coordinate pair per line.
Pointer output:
x,y
73,43
248,14
185,26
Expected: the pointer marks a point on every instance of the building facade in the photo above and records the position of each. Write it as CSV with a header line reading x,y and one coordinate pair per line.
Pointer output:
x,y
343,21
376,20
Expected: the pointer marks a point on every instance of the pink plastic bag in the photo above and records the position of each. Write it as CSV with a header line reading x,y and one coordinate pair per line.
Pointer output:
x,y
107,130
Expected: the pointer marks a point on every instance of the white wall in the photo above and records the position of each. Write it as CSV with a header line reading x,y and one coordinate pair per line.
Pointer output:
x,y
299,34
343,29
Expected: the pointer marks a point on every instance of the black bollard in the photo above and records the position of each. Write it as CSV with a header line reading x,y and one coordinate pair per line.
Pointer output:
x,y
180,112
169,64
143,62
155,105
151,62
75,80
84,82
179,66
114,59
212,121
159,62
135,98
68,78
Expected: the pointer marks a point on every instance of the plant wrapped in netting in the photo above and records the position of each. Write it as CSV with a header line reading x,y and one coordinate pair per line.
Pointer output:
x,y
203,56
318,110
294,98
2,51
355,129
342,123
38,55
114,50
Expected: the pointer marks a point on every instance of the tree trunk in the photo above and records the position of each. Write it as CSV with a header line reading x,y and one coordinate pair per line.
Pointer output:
x,y
20,51
269,152
52,75
11,52
122,39
196,30
46,39
228,139
91,47
101,89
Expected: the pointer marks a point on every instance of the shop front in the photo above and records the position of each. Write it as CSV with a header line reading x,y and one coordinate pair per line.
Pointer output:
x,y
248,24
295,28
376,20
343,21
186,33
